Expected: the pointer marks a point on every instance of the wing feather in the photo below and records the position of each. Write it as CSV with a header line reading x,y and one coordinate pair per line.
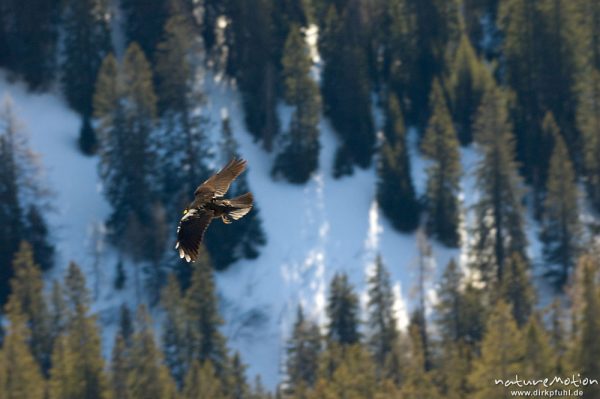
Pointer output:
x,y
190,233
218,184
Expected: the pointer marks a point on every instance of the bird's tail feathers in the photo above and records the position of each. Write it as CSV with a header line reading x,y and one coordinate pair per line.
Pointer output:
x,y
242,205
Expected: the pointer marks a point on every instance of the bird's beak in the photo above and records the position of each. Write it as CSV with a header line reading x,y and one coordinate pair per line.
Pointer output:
x,y
185,211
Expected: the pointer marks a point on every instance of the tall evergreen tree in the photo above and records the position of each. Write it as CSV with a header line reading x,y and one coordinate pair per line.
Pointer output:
x,y
561,228
501,354
299,156
346,88
86,43
468,80
395,190
383,329
499,229
440,144
238,385
227,245
342,311
538,357
303,350
418,381
517,290
125,106
174,346
144,22
37,234
201,382
588,122
119,368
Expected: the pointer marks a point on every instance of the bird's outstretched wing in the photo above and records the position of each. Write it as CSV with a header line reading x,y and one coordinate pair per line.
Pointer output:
x,y
218,184
191,232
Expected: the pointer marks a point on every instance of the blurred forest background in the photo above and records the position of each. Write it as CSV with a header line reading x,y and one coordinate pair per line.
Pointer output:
x,y
517,80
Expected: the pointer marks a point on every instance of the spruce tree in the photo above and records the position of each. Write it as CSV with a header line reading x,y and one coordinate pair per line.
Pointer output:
x,y
119,368
125,106
538,358
588,121
20,376
299,156
561,227
303,350
468,80
383,329
86,43
144,22
342,311
38,235
440,144
499,230
201,382
418,381
27,297
395,190
501,354
238,385
517,290
224,244
550,133
174,343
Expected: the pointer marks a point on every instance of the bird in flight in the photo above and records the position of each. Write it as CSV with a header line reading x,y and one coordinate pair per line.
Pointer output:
x,y
207,205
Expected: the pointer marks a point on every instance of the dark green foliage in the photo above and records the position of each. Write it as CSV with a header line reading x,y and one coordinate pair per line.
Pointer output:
x,y
499,230
88,142
120,276
299,156
28,38
251,63
303,351
125,105
37,234
342,312
395,190
467,83
346,88
238,383
440,144
144,22
86,42
517,290
382,322
561,227
229,243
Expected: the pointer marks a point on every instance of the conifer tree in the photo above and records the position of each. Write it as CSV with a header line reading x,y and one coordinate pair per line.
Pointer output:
x,y
37,234
538,358
144,22
454,368
346,88
550,133
148,378
299,156
227,245
174,345
342,311
238,385
119,368
125,106
499,229
20,376
27,297
468,80
516,289
418,380
561,228
383,329
303,350
88,142
86,43
501,354
201,382
440,144
588,35
395,190
588,121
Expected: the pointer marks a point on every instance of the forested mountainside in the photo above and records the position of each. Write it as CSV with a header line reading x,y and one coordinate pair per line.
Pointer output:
x,y
427,184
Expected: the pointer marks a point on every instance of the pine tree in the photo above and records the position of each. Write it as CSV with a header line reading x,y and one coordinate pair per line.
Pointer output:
x,y
144,22
37,234
201,382
395,190
561,228
119,368
418,381
517,290
125,105
303,350
27,298
550,133
88,142
538,357
468,80
30,39
20,376
501,354
299,156
238,385
148,378
383,329
86,43
500,226
174,343
342,311
346,88
226,245
588,121
440,144
454,368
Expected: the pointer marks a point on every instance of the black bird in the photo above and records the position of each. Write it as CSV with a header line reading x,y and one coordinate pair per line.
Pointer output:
x,y
209,205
